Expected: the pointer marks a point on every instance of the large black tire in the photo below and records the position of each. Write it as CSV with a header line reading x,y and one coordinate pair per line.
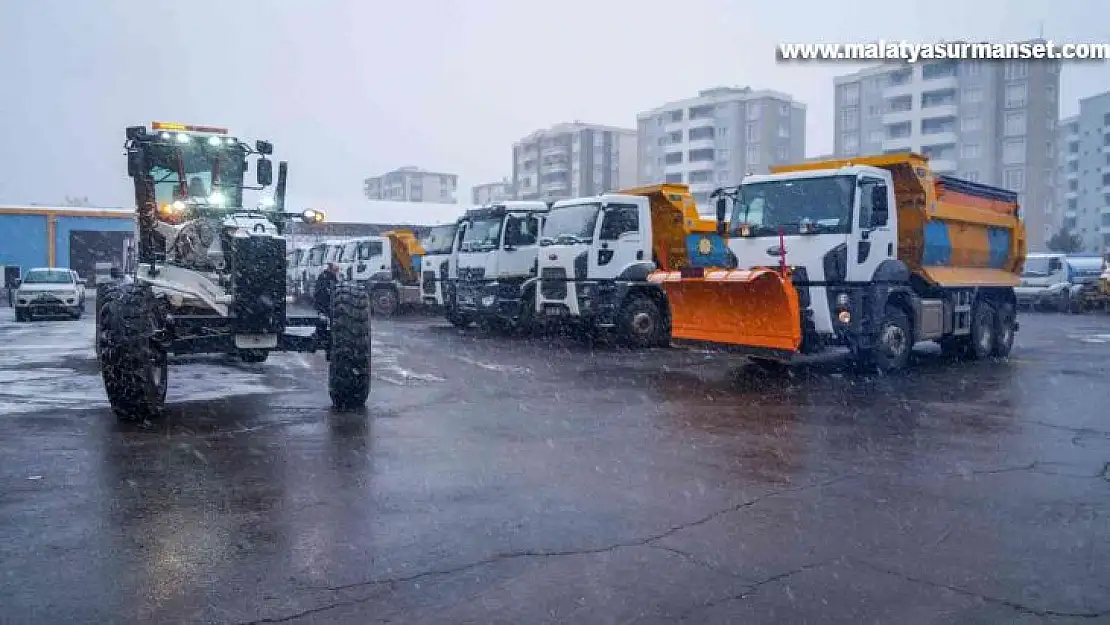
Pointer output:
x,y
458,320
253,355
21,316
1003,331
349,357
103,293
640,323
982,331
526,322
384,301
893,342
133,368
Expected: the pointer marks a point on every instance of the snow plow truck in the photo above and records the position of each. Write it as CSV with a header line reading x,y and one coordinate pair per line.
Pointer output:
x,y
874,254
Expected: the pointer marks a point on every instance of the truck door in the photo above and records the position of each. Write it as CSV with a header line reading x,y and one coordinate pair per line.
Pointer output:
x,y
519,247
873,229
619,241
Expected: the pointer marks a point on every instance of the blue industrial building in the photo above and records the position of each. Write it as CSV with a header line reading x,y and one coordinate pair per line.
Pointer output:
x,y
76,238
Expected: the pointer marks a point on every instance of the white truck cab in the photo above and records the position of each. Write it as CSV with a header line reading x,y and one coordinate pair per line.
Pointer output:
x,y
595,256
1045,282
49,291
496,274
439,265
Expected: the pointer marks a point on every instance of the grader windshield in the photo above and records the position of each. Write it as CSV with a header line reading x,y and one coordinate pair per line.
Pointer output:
x,y
197,172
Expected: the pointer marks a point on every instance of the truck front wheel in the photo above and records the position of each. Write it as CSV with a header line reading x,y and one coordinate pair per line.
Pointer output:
x,y
384,302
641,322
133,368
894,341
349,352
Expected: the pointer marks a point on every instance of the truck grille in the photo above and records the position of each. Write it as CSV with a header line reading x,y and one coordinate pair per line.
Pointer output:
x,y
553,283
429,282
471,274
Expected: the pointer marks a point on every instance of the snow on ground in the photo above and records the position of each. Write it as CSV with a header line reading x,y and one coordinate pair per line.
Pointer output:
x,y
51,364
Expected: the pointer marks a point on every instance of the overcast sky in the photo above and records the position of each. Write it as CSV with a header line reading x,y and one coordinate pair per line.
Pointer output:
x,y
350,88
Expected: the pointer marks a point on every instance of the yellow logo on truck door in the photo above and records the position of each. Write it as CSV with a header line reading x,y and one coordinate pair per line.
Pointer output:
x,y
705,246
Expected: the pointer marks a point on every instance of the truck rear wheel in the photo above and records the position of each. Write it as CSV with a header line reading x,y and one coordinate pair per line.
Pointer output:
x,y
1003,331
982,332
894,341
349,352
641,322
458,320
133,368
253,355
384,301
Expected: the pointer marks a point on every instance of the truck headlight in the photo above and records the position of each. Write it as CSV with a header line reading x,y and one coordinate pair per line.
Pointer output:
x,y
844,317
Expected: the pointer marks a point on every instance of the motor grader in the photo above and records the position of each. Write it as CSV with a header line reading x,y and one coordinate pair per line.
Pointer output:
x,y
210,273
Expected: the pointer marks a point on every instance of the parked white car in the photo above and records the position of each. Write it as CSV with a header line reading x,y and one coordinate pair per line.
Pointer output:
x,y
49,292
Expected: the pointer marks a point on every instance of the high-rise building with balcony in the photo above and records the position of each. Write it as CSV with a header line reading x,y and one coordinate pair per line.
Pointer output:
x,y
1083,174
412,184
491,192
573,160
714,139
990,122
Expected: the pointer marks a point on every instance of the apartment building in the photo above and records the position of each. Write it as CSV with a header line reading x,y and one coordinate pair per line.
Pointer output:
x,y
573,160
1083,174
987,121
491,192
412,184
715,138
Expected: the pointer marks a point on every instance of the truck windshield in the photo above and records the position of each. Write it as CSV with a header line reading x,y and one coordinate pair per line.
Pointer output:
x,y
825,203
440,239
59,276
1036,267
197,172
482,235
574,223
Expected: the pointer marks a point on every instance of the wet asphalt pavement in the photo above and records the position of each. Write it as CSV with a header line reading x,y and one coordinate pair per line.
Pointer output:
x,y
494,480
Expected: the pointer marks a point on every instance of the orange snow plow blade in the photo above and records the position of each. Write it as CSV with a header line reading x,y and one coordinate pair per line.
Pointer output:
x,y
755,308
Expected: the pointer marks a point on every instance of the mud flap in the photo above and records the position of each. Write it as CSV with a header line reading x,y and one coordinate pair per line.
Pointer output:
x,y
755,309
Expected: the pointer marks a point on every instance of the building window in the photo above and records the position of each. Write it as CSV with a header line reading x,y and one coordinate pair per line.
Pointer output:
x,y
899,131
784,130
704,154
974,95
662,141
850,93
676,136
674,158
722,157
675,116
722,133
1015,124
783,154
971,176
1013,151
973,68
754,110
1015,95
703,132
751,132
850,120
784,109
970,150
673,178
971,124
875,136
850,145
752,155
1016,70
1014,179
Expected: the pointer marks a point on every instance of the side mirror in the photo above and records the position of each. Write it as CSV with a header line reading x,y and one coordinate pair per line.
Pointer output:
x,y
265,172
16,283
82,281
264,147
722,213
